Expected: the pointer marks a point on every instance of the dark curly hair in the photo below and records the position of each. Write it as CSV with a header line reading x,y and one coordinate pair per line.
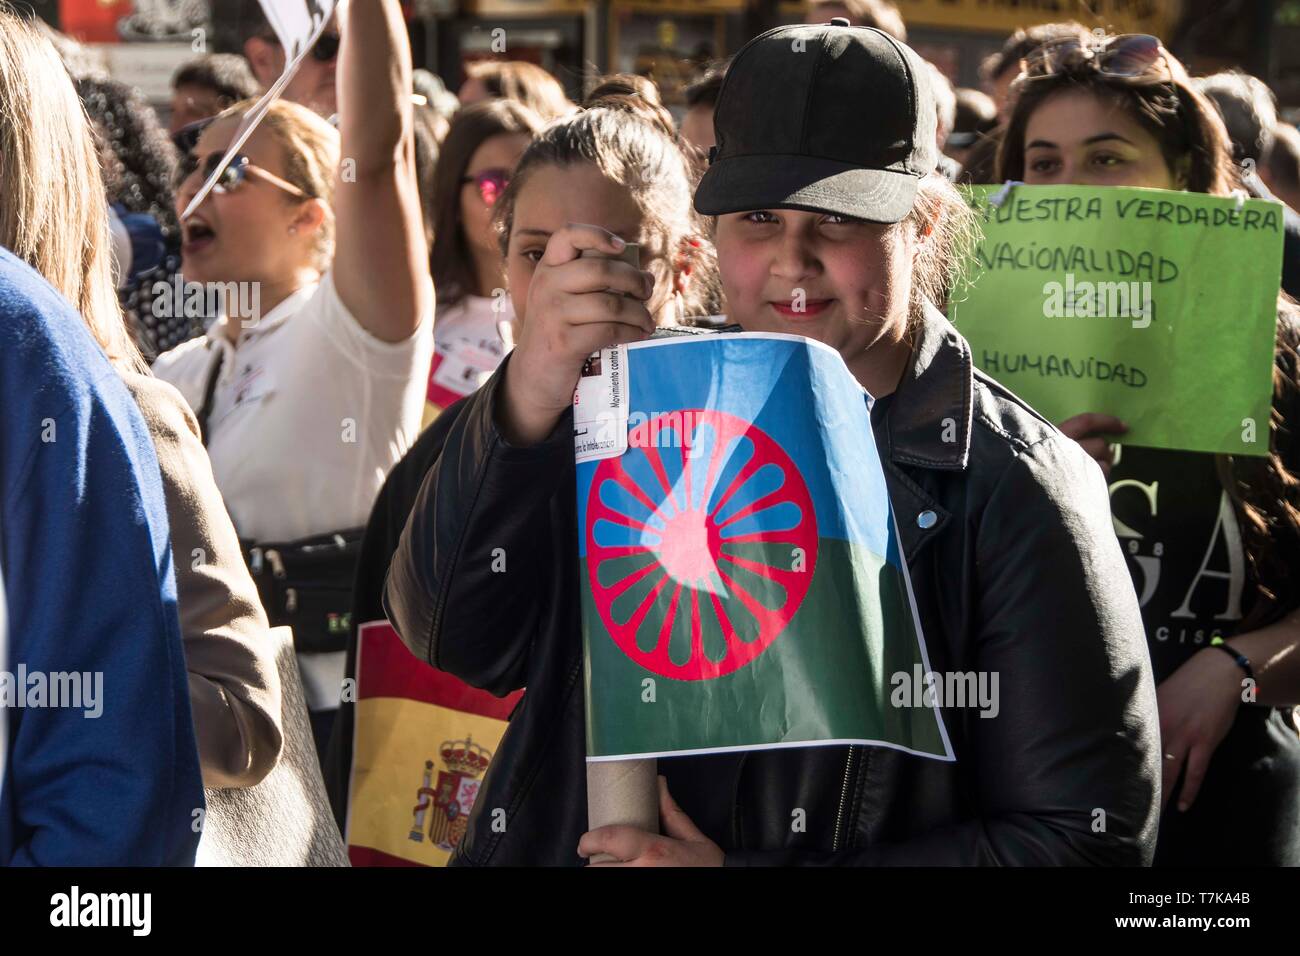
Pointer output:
x,y
135,152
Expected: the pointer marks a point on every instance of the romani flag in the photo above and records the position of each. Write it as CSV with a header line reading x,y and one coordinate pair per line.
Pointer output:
x,y
422,741
742,585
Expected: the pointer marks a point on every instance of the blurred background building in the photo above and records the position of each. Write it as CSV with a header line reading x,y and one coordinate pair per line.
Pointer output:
x,y
141,41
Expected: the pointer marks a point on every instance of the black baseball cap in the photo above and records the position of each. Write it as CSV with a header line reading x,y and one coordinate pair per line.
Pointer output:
x,y
823,117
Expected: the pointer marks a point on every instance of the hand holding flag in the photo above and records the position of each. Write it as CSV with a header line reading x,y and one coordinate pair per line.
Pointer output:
x,y
683,844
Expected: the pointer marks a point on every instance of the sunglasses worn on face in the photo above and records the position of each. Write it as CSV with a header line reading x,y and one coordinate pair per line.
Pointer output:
x,y
491,183
1129,55
233,176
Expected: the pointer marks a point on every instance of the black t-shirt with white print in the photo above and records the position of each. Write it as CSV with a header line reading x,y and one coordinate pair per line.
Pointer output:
x,y
1182,540
1181,537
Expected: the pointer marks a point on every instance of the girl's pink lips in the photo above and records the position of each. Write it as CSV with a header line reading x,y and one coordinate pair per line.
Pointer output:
x,y
807,309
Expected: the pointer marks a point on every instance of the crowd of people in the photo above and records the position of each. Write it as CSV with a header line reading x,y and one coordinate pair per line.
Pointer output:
x,y
376,404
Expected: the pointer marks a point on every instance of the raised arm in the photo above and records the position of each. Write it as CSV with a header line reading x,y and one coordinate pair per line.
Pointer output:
x,y
381,264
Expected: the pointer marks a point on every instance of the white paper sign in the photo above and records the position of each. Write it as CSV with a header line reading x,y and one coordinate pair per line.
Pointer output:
x,y
600,406
298,24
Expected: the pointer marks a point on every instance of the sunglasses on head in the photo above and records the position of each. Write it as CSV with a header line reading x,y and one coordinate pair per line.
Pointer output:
x,y
1128,55
491,183
325,50
233,176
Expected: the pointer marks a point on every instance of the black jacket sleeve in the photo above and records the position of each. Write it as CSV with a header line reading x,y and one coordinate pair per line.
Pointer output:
x,y
1068,771
466,586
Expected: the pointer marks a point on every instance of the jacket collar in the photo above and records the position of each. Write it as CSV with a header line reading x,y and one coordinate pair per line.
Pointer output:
x,y
930,414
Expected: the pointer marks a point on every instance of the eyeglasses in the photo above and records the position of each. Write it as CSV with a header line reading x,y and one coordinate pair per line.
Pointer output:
x,y
325,50
491,183
1128,55
187,137
238,170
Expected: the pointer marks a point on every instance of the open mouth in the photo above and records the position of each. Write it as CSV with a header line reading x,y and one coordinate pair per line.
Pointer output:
x,y
198,236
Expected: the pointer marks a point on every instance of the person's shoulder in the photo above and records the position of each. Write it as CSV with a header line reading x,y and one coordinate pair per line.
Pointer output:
x,y
50,365
41,332
1006,429
164,408
403,482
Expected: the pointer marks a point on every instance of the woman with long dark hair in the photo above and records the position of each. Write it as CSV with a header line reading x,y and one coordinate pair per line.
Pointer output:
x,y
1213,542
472,328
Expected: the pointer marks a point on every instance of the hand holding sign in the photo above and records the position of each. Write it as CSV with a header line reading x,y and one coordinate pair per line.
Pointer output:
x,y
1157,307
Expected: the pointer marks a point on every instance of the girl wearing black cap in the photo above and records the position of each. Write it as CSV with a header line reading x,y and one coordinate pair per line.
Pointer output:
x,y
1214,543
831,224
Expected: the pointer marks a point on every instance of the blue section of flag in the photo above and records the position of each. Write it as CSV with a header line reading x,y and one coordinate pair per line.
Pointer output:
x,y
799,393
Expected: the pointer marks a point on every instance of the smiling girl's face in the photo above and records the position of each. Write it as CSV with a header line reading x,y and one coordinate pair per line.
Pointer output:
x,y
844,282
1077,138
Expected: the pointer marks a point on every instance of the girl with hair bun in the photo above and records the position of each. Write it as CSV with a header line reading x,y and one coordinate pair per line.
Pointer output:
x,y
617,170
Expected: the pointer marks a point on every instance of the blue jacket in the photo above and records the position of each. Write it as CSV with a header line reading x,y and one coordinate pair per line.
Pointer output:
x,y
86,556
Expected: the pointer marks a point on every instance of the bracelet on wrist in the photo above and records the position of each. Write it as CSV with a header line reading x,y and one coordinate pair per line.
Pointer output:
x,y
1241,660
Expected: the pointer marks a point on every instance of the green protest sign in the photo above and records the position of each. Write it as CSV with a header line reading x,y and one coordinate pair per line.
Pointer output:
x,y
1154,306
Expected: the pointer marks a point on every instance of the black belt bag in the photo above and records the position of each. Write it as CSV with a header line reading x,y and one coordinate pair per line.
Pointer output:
x,y
307,584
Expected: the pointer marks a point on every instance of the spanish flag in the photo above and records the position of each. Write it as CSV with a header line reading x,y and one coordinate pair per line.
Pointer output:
x,y
422,741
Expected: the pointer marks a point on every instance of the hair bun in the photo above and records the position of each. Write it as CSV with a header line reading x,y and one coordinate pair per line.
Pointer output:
x,y
629,93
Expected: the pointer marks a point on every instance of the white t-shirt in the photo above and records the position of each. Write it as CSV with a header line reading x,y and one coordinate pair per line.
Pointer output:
x,y
309,414
470,337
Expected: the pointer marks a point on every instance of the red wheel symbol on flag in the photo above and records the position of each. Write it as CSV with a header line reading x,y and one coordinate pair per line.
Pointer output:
x,y
701,543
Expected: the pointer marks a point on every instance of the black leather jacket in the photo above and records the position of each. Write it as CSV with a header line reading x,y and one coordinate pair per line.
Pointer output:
x,y
1016,571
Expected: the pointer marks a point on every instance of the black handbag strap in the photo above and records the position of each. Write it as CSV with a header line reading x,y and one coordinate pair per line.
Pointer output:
x,y
209,390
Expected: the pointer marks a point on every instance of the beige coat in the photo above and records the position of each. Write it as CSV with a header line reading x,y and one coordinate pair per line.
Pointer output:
x,y
234,684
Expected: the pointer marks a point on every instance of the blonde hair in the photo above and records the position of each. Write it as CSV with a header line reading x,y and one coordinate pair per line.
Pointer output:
x,y
53,208
951,229
310,149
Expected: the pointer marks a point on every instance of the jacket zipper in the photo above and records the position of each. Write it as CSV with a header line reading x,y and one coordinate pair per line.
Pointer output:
x,y
844,796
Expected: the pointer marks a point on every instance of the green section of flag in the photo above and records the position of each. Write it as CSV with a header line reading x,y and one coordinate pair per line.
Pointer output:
x,y
1154,306
827,676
